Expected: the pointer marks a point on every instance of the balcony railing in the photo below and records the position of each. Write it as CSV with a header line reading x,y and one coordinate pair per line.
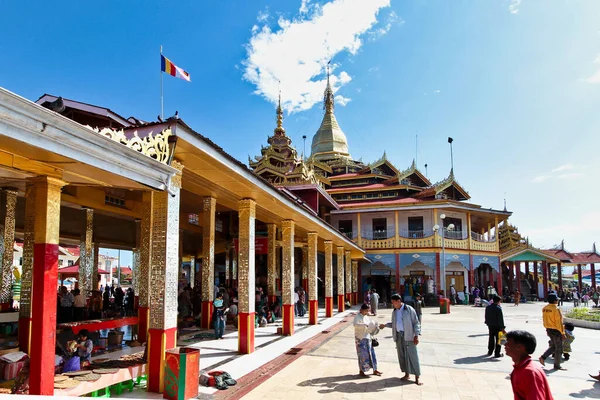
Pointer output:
x,y
382,234
482,238
349,235
456,235
411,234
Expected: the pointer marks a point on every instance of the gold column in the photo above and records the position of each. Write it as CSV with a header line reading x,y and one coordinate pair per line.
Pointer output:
x,y
96,251
146,227
304,268
246,271
469,229
272,261
8,239
86,254
164,279
355,281
348,274
359,233
340,271
228,264
287,276
287,267
328,268
209,205
397,236
27,268
192,271
496,239
164,268
312,265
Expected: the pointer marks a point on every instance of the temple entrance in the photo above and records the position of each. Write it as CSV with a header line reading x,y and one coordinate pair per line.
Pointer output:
x,y
417,278
380,280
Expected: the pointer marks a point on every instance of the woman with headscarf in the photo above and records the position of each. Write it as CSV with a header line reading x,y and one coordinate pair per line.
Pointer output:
x,y
364,329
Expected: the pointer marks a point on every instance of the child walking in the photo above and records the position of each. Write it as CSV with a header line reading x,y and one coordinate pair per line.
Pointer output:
x,y
569,337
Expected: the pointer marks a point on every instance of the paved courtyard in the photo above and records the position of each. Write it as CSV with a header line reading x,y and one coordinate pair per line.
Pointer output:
x,y
453,361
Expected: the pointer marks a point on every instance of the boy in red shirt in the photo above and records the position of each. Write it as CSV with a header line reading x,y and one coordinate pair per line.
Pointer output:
x,y
528,378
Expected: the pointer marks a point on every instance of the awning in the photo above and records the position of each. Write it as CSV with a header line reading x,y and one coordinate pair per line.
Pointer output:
x,y
74,269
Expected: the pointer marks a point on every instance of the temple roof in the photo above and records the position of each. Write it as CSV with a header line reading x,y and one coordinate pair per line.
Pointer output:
x,y
449,183
329,141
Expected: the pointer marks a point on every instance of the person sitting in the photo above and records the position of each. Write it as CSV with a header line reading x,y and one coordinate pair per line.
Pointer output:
x,y
84,348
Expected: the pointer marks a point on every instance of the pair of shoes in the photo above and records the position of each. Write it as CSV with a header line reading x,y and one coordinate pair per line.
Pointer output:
x,y
499,355
490,353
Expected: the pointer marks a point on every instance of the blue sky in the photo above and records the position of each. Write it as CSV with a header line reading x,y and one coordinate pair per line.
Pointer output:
x,y
515,83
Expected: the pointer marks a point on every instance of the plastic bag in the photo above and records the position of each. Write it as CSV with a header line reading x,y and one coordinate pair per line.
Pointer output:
x,y
501,338
72,364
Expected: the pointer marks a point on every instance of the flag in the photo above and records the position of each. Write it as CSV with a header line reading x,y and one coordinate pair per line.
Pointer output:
x,y
167,66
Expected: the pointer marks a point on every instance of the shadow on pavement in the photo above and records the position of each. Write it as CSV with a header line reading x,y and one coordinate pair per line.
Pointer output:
x,y
476,360
593,393
370,383
479,335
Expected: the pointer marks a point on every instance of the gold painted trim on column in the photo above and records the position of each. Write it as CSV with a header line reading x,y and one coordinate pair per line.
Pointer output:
x,y
328,268
287,267
209,206
312,265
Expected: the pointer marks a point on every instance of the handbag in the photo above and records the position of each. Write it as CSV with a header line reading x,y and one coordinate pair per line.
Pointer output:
x,y
374,342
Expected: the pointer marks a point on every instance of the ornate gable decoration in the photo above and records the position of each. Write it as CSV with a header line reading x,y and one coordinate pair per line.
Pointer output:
x,y
439,188
156,147
404,176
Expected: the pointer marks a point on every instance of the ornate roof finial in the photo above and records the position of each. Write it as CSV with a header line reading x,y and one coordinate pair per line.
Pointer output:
x,y
279,130
505,202
328,100
384,158
562,244
594,248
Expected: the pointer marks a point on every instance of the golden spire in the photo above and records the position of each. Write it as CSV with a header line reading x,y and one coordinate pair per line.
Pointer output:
x,y
329,103
279,130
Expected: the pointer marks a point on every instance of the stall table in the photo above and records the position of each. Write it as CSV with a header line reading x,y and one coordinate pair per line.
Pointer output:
x,y
107,383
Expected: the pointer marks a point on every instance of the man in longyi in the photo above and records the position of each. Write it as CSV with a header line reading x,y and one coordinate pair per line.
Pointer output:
x,y
405,332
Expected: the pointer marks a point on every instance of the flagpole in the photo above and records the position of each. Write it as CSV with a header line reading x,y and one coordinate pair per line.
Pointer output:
x,y
161,90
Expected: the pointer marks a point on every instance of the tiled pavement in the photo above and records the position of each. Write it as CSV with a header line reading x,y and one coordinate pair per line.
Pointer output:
x,y
454,365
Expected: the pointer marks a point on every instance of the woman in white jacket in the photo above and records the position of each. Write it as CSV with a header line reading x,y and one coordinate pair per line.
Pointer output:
x,y
364,329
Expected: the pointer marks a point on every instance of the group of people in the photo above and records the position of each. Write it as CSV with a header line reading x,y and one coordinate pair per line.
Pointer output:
x,y
74,307
406,329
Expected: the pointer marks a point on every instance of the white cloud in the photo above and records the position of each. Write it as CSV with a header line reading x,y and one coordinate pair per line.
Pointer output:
x,y
565,171
513,8
373,69
304,6
297,51
564,167
341,100
391,19
263,16
595,78
436,91
541,178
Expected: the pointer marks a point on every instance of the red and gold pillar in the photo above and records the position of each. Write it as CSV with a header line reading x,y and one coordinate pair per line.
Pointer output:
x,y
8,206
438,275
328,278
145,260
348,276
354,282
164,276
340,279
209,205
287,276
272,263
45,279
27,270
246,276
313,302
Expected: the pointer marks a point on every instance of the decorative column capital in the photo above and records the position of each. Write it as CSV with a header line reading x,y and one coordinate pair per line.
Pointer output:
x,y
176,179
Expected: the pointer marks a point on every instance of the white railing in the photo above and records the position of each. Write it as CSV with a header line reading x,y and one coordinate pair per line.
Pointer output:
x,y
350,235
415,234
482,238
378,234
458,235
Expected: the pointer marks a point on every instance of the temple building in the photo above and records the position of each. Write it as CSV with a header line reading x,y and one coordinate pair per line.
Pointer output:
x,y
71,172
417,234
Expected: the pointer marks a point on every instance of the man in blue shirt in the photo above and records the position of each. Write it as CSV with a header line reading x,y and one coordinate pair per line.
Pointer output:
x,y
405,332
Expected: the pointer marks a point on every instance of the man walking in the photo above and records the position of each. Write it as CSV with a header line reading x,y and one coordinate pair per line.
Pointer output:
x,y
374,301
553,322
528,379
494,319
405,332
